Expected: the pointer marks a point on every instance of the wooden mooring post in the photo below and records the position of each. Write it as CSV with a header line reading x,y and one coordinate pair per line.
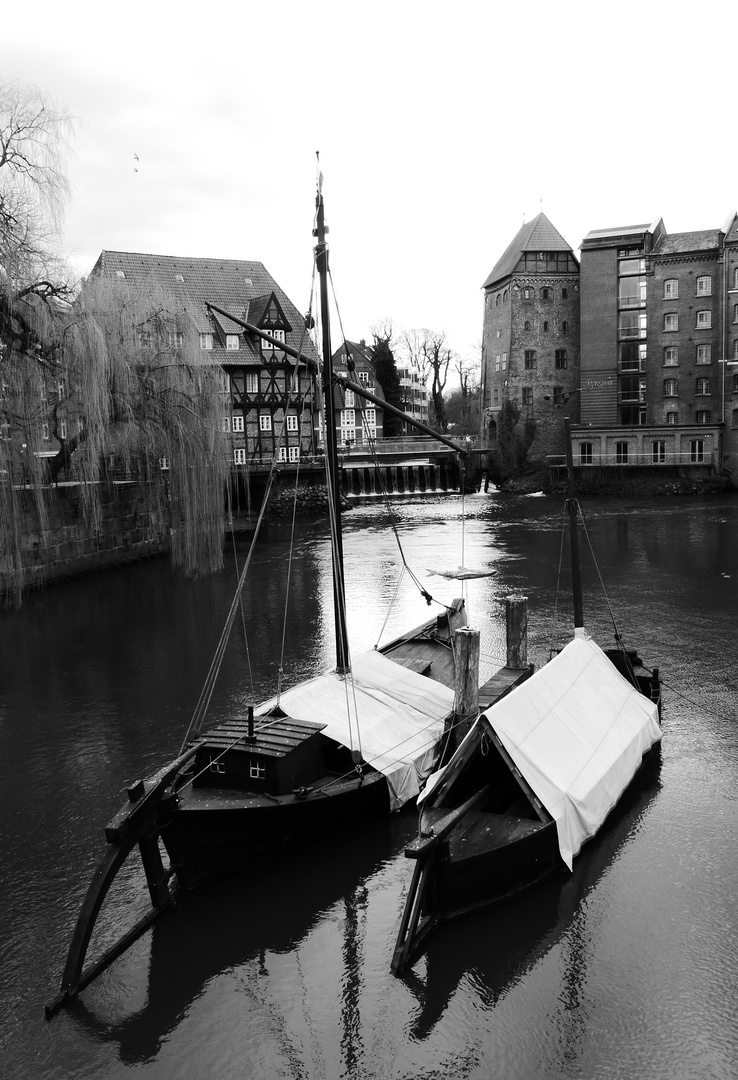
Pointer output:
x,y
516,625
467,681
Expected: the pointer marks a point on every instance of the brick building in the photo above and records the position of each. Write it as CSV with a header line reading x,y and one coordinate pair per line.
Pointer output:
x,y
357,420
530,342
653,318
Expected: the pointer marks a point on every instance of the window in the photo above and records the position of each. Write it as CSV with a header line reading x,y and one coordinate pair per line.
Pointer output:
x,y
44,390
349,402
251,382
671,289
735,278
206,341
45,431
672,418
498,360
702,386
704,354
217,765
176,339
265,422
278,334
735,384
734,419
526,325
527,294
658,451
671,356
704,285
348,418
671,321
529,359
559,397
621,453
364,377
120,273
505,296
560,359
239,456
735,313
696,451
670,387
164,464
585,453
527,395
703,416
232,342
282,453
545,327
370,416
257,769
704,320
632,292
498,300
504,361
545,293
632,324
292,421
564,293
238,422
294,453
226,423
62,429
564,327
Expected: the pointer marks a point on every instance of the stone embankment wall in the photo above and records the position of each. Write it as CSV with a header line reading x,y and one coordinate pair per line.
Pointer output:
x,y
128,528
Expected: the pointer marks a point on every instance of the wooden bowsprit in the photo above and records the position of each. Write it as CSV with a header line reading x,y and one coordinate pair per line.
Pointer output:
x,y
137,823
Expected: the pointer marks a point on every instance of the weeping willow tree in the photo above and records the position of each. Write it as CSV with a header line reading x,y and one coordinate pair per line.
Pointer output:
x,y
94,378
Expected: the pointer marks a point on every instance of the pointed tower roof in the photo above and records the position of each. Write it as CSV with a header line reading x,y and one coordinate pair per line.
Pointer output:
x,y
536,235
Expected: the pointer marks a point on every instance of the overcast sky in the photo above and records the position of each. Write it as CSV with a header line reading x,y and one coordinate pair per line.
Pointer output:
x,y
441,128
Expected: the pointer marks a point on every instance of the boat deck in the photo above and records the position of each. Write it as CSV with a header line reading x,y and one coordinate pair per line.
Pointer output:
x,y
481,831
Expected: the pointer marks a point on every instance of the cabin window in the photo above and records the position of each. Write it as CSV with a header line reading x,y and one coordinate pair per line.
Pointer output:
x,y
217,765
257,769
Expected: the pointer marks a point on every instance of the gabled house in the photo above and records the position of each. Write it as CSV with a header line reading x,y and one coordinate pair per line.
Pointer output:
x,y
269,400
357,420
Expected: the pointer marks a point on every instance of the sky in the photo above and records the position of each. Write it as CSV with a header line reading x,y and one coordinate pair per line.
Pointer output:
x,y
441,128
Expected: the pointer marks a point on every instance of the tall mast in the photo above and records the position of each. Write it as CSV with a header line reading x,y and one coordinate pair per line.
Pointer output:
x,y
572,508
339,597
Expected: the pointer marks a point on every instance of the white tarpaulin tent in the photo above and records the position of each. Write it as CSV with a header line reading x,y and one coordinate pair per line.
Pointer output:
x,y
400,717
577,730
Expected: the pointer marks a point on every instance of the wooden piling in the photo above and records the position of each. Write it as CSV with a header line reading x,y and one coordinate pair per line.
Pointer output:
x,y
516,624
467,680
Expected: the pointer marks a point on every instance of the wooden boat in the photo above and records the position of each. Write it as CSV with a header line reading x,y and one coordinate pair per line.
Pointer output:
x,y
349,745
533,780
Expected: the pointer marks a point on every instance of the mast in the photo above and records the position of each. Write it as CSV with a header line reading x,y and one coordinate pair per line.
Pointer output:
x,y
334,476
572,509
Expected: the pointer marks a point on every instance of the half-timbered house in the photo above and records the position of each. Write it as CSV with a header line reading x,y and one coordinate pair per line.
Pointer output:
x,y
269,400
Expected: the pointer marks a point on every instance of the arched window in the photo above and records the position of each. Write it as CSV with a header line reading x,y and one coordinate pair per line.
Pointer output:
x,y
526,325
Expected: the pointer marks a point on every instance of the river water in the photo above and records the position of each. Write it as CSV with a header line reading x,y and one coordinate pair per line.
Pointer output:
x,y
627,968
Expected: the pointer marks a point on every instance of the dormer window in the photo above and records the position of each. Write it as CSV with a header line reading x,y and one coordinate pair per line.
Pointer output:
x,y
120,273
232,342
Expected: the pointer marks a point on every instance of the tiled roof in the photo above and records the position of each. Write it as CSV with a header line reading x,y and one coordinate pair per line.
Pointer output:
x,y
232,284
536,235
679,243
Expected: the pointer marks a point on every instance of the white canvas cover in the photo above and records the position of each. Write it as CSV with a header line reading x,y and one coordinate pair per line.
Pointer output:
x,y
577,730
400,717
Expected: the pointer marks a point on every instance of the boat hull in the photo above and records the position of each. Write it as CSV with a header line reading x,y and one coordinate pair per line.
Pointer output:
x,y
218,833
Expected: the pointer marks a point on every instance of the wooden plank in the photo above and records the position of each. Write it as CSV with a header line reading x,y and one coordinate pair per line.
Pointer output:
x,y
501,683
